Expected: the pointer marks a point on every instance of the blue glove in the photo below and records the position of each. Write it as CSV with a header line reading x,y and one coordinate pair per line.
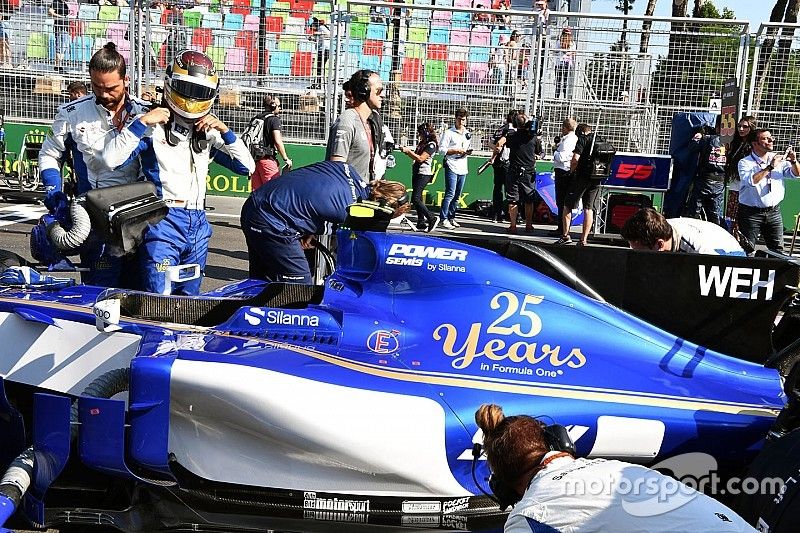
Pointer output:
x,y
56,201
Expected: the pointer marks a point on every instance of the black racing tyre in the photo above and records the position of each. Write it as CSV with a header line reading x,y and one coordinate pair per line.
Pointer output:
x,y
9,259
106,385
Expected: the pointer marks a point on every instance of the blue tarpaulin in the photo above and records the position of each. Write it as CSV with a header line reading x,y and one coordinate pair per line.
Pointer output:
x,y
684,162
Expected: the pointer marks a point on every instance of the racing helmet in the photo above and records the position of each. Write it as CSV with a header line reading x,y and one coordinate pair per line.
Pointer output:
x,y
191,84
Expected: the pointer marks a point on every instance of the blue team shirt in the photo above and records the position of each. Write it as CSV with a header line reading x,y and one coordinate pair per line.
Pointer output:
x,y
309,200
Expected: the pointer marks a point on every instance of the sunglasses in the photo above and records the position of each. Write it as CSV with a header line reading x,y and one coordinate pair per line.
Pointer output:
x,y
768,139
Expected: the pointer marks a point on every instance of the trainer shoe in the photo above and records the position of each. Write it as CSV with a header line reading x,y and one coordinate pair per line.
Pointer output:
x,y
564,240
455,224
446,224
433,224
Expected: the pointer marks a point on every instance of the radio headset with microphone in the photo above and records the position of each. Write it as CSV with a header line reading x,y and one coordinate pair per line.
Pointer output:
x,y
556,438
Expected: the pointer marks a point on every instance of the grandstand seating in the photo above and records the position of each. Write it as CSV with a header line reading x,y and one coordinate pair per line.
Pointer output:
x,y
435,46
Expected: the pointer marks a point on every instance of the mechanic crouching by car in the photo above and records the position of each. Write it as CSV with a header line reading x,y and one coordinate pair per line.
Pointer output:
x,y
83,128
553,491
175,143
281,218
648,229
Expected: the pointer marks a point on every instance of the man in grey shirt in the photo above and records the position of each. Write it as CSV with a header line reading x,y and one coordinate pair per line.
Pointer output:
x,y
357,134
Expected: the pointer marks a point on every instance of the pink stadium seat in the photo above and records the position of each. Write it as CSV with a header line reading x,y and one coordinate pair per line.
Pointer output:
x,y
235,59
459,37
478,72
481,37
250,23
441,18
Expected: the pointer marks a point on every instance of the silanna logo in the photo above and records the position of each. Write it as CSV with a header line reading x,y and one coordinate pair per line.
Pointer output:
x,y
413,254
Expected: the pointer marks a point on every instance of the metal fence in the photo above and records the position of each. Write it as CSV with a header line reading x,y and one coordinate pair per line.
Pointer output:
x,y
629,74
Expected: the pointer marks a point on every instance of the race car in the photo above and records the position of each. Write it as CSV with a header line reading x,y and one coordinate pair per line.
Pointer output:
x,y
351,401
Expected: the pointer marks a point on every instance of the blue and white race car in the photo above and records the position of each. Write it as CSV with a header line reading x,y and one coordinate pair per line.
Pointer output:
x,y
352,401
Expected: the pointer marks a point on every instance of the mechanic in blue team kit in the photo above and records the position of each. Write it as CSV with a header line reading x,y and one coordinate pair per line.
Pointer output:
x,y
455,146
648,229
422,174
553,491
175,144
84,127
762,190
708,186
281,218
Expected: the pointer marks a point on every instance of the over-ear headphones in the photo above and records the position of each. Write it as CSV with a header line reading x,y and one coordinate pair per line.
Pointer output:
x,y
361,88
556,438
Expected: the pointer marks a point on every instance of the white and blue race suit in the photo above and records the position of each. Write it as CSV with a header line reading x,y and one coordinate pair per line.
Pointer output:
x,y
595,495
696,236
83,128
308,201
179,174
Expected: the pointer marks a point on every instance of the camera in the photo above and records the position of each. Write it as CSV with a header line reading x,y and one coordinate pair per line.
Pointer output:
x,y
533,126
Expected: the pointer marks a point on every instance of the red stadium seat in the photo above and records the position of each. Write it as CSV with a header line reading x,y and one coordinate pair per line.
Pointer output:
x,y
274,24
202,37
302,63
241,7
457,71
412,69
437,51
373,48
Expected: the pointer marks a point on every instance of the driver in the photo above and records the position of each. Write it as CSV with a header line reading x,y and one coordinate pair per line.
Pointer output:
x,y
553,491
175,144
280,218
648,229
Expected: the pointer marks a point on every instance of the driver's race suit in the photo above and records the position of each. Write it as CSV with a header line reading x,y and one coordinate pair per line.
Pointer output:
x,y
595,495
179,173
84,127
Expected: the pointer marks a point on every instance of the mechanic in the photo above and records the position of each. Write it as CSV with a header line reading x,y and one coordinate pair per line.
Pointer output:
x,y
648,229
76,89
357,134
84,127
524,148
709,182
762,190
553,491
582,187
281,218
271,144
175,143
500,167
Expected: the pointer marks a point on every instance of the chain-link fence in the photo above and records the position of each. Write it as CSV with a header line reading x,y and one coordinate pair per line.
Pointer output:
x,y
627,74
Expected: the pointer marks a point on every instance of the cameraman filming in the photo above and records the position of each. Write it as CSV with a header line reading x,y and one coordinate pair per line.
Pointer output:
x,y
525,147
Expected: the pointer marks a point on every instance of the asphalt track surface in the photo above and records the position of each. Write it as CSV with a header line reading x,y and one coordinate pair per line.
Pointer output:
x,y
227,258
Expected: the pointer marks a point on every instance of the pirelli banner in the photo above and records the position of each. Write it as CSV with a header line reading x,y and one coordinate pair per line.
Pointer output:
x,y
643,172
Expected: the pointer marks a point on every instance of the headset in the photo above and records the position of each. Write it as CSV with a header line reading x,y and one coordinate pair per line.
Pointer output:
x,y
271,103
360,87
556,438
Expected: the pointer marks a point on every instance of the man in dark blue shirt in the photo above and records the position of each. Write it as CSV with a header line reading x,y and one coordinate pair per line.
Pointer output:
x,y
280,218
709,182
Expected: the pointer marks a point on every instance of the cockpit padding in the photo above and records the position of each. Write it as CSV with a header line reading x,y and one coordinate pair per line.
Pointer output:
x,y
208,312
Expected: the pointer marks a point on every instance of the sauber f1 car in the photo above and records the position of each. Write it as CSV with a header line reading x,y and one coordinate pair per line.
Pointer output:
x,y
351,401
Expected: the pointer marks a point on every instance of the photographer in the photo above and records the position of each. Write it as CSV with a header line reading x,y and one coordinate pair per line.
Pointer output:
x,y
553,491
500,167
525,147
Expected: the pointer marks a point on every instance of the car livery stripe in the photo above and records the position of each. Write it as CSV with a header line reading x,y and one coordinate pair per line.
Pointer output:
x,y
569,392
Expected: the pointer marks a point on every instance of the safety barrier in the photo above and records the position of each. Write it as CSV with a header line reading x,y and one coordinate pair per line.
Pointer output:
x,y
628,74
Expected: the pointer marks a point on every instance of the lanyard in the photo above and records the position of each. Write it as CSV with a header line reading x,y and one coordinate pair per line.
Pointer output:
x,y
368,131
